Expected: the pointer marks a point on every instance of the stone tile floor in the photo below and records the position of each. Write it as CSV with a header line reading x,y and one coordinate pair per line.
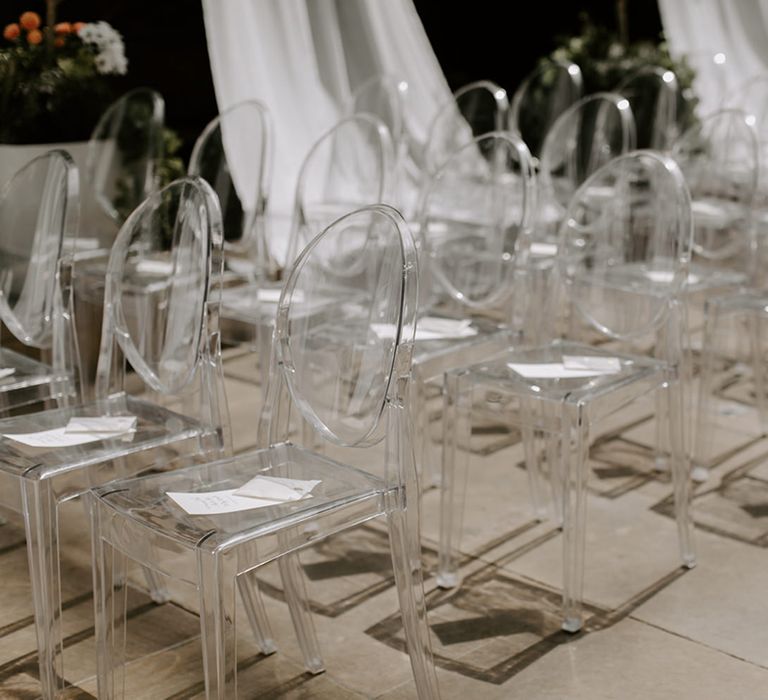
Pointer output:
x,y
653,630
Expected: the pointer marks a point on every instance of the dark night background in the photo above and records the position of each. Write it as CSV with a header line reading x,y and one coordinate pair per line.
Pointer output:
x,y
166,47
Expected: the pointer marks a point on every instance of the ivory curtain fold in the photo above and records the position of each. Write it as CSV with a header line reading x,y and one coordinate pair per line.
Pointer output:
x,y
303,58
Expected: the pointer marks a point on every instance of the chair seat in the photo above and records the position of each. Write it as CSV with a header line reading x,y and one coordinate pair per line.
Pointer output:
x,y
156,427
31,380
573,389
144,500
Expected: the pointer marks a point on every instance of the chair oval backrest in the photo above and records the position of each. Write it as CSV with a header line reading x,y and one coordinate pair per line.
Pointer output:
x,y
475,109
350,165
625,243
653,94
541,98
719,158
383,96
475,213
233,154
585,137
39,209
158,288
344,360
123,152
751,97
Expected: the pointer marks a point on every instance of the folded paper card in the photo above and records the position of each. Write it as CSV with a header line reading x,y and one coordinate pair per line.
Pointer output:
x,y
274,488
101,424
60,437
155,267
604,365
272,296
666,276
214,502
544,249
7,372
431,328
259,492
552,370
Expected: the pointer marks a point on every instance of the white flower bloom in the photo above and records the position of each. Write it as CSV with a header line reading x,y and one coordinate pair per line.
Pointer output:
x,y
110,58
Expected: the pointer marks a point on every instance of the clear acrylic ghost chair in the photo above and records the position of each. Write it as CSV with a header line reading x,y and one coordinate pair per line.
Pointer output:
x,y
386,97
541,98
347,371
473,225
653,93
38,214
752,97
351,165
720,160
168,335
123,152
233,153
477,108
608,248
585,137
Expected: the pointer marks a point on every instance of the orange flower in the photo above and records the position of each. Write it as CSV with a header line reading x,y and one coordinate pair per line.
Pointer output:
x,y
77,26
11,32
35,36
30,21
63,28
58,42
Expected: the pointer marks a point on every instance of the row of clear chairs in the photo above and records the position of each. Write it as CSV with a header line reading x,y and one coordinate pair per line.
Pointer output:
x,y
474,235
174,391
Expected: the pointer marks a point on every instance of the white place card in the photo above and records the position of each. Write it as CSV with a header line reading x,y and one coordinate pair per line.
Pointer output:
x,y
277,489
102,424
59,437
259,492
272,296
550,370
246,268
666,276
604,365
214,502
7,372
544,249
387,331
155,267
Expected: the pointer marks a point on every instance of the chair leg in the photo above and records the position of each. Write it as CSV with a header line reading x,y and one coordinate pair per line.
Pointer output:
x,y
574,455
705,410
257,615
427,469
41,524
680,471
758,370
533,464
294,584
457,433
556,480
410,591
110,612
216,588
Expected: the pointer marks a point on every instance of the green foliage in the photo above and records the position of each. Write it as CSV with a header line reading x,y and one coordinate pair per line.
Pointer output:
x,y
605,61
50,94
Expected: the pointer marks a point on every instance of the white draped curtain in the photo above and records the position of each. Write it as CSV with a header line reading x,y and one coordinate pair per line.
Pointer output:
x,y
726,42
302,59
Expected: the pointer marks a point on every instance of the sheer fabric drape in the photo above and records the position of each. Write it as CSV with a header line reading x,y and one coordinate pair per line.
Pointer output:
x,y
303,58
702,29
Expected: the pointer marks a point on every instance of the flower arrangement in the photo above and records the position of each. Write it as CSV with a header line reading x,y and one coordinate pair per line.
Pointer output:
x,y
55,79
